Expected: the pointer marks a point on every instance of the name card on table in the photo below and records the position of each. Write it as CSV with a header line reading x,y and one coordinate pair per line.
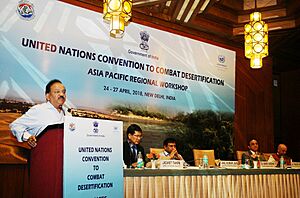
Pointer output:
x,y
171,164
267,164
229,164
296,165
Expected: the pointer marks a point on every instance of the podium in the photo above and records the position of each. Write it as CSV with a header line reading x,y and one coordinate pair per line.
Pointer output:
x,y
75,160
46,164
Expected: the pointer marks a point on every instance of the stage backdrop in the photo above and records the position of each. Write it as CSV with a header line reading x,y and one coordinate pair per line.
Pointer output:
x,y
151,68
147,75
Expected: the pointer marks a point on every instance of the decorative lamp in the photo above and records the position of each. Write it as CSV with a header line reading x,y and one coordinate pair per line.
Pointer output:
x,y
256,40
118,14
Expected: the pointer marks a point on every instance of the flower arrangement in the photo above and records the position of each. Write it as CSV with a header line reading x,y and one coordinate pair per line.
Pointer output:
x,y
153,156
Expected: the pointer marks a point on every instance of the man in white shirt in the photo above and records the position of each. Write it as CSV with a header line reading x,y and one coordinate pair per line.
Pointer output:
x,y
37,118
170,151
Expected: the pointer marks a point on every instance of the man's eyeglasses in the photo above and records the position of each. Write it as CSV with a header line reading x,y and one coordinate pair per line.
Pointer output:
x,y
138,136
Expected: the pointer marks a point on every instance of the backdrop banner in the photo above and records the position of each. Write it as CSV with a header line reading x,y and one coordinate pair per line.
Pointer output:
x,y
148,68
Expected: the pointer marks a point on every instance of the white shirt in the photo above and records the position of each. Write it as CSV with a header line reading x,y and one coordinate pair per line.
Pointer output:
x,y
36,119
165,154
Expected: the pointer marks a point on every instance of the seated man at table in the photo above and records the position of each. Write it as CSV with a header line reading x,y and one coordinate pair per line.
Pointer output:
x,y
252,154
132,147
281,151
170,152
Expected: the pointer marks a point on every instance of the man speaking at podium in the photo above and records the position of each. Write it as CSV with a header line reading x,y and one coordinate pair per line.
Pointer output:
x,y
37,118
46,157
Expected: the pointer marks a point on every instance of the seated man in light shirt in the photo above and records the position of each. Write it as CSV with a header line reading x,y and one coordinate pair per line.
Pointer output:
x,y
170,151
281,151
37,118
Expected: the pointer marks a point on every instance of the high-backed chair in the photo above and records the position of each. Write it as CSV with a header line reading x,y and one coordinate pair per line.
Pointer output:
x,y
156,150
198,154
239,156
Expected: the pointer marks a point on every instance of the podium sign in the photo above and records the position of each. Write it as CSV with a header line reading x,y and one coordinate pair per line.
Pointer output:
x,y
229,164
171,164
93,153
268,165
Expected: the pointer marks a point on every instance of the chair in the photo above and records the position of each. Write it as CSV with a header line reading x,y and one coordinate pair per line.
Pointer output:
x,y
156,150
239,155
198,154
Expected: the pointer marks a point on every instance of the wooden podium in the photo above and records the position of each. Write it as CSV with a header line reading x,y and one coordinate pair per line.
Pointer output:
x,y
46,164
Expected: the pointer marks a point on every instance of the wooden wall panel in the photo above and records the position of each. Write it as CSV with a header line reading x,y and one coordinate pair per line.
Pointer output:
x,y
253,105
14,180
290,112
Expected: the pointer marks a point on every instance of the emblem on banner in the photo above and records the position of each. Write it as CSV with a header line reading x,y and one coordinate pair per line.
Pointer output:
x,y
145,38
72,126
25,10
221,59
95,124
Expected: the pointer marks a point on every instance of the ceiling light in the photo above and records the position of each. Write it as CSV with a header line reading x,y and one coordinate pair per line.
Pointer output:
x,y
118,14
256,40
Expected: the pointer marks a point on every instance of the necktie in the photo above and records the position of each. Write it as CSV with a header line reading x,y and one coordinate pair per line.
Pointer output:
x,y
134,151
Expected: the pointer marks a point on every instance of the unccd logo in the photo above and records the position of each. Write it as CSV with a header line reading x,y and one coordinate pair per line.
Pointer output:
x,y
221,58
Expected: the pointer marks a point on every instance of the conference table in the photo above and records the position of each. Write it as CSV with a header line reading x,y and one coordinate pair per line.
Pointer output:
x,y
189,182
215,182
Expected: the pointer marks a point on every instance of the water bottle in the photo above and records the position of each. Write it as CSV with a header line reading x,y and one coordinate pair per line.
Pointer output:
x,y
205,161
281,161
247,164
140,162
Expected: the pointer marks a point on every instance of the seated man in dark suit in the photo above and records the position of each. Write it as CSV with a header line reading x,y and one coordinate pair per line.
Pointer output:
x,y
131,147
252,154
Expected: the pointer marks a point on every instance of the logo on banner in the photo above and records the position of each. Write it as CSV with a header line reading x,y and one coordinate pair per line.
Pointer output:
x,y
95,124
221,58
95,131
25,10
72,126
221,61
144,46
145,38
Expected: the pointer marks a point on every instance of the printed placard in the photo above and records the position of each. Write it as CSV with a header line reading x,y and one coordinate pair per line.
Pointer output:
x,y
93,153
229,164
171,164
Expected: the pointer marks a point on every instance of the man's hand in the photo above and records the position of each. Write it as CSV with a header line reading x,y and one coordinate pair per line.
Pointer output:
x,y
174,154
134,165
32,141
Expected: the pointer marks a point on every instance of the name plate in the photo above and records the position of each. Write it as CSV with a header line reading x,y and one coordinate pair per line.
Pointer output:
x,y
296,165
171,164
267,164
229,164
